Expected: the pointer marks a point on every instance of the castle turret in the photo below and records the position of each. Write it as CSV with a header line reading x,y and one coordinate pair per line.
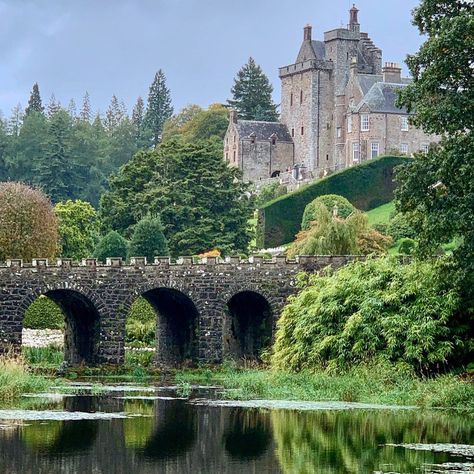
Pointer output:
x,y
354,24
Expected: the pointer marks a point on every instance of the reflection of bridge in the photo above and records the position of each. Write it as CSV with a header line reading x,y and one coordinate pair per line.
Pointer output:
x,y
205,311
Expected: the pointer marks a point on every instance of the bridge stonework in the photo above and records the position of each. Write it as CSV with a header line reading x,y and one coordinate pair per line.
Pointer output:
x,y
96,299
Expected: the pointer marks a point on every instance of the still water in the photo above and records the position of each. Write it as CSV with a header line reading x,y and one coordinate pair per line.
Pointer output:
x,y
150,430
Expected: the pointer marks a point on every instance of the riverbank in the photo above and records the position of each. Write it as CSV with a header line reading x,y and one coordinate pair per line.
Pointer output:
x,y
380,384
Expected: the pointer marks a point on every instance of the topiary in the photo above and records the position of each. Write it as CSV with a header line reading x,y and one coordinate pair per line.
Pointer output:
x,y
344,208
43,313
112,245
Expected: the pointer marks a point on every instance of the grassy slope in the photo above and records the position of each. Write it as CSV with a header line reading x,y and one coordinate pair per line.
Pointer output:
x,y
381,214
366,186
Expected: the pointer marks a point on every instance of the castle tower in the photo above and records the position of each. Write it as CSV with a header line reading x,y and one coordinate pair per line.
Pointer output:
x,y
307,100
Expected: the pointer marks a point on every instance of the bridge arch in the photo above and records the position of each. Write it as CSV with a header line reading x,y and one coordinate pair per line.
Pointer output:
x,y
249,322
176,325
82,320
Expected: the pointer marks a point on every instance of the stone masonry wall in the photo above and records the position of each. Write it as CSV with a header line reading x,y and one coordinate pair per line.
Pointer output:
x,y
111,289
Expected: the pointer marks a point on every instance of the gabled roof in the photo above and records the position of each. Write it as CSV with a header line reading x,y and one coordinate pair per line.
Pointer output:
x,y
263,130
382,98
366,81
319,49
312,49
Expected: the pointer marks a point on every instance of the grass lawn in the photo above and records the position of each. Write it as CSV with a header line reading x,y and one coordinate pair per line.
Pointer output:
x,y
381,214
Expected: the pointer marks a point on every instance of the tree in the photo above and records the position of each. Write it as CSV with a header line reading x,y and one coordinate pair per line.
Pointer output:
x,y
205,124
78,228
112,245
28,225
201,202
115,114
159,107
148,239
57,172
86,112
252,94
34,102
333,203
173,126
53,106
16,120
72,109
436,190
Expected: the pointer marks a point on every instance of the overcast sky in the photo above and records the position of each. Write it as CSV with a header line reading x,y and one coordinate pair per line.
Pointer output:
x,y
115,46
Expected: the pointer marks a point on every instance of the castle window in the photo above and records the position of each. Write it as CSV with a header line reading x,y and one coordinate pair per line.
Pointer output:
x,y
293,132
339,132
235,157
302,130
227,156
291,99
375,150
355,152
274,141
364,122
425,148
301,97
404,124
349,123
404,148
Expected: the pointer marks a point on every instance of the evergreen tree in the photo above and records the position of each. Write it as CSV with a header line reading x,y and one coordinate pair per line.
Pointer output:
x,y
252,94
34,103
86,114
115,114
53,106
159,107
16,121
56,172
138,114
112,245
148,239
72,109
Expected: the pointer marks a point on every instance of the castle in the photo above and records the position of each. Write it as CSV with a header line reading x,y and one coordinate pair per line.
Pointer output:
x,y
338,109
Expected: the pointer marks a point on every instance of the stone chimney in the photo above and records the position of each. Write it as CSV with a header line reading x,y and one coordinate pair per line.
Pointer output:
x,y
354,66
233,116
392,72
353,19
308,33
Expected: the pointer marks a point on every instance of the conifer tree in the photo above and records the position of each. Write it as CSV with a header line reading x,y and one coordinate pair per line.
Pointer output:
x,y
138,114
148,239
34,103
115,114
252,94
159,107
85,114
16,120
53,106
72,109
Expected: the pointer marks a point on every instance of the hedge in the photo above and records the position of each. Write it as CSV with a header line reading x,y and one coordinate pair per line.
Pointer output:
x,y
43,313
366,186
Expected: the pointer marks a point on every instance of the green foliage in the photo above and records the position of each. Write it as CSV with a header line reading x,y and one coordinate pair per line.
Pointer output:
x,y
78,227
28,225
44,357
111,245
43,313
159,107
373,310
35,104
344,208
381,215
399,227
366,186
148,239
407,246
199,198
141,324
268,193
252,94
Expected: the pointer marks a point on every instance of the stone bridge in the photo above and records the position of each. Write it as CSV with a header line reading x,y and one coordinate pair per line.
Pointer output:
x,y
207,309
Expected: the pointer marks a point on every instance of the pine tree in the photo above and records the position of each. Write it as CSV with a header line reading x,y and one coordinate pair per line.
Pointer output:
x,y
252,94
53,106
138,115
159,107
34,103
115,114
86,113
16,121
72,109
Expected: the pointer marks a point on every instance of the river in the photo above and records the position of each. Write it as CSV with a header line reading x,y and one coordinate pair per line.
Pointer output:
x,y
147,429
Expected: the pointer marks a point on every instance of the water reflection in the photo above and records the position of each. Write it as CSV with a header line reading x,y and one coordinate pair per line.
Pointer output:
x,y
175,437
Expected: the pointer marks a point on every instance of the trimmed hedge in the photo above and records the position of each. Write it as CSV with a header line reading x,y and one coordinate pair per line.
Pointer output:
x,y
366,186
43,313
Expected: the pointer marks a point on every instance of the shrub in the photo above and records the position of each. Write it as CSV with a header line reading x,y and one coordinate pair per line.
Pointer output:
x,y
112,245
148,239
43,313
344,208
377,309
366,186
399,228
407,246
270,192
28,225
141,324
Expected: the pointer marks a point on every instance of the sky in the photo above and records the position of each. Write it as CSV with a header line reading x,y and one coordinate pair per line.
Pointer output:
x,y
110,47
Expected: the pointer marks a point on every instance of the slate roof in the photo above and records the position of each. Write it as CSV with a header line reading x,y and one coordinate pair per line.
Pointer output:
x,y
382,98
263,130
319,49
366,81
